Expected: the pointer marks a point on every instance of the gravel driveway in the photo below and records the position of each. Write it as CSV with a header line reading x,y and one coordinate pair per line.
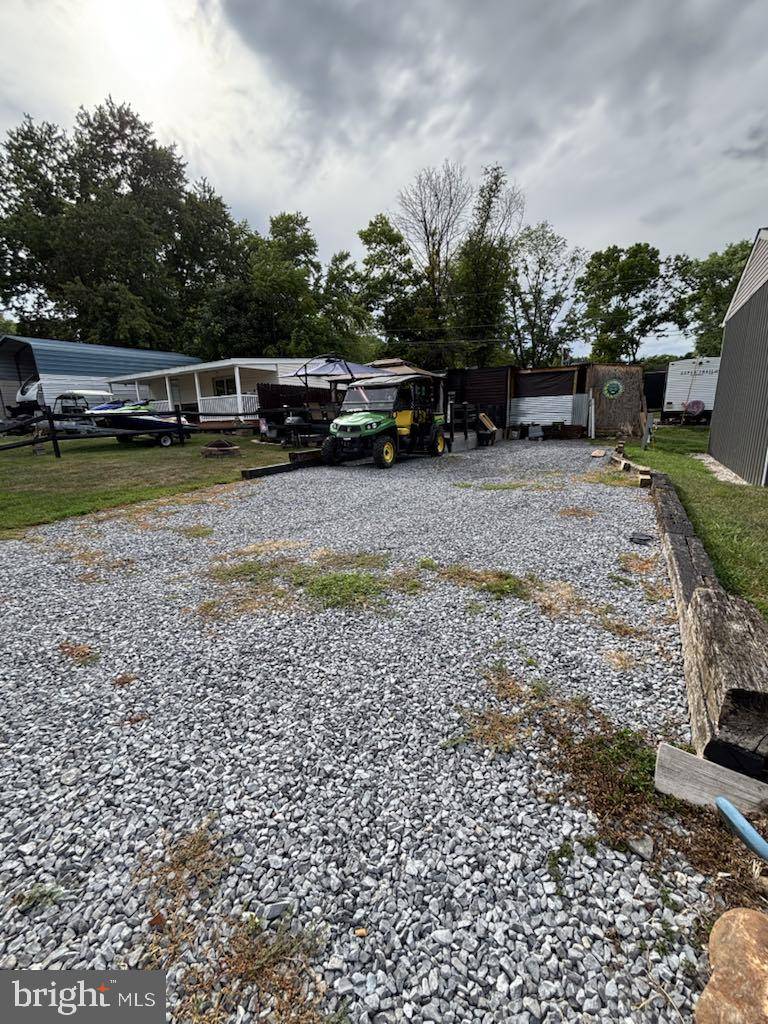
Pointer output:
x,y
313,741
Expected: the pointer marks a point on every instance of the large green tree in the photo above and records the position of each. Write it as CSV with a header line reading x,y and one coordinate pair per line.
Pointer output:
x,y
102,238
283,301
711,283
482,269
543,320
435,273
628,294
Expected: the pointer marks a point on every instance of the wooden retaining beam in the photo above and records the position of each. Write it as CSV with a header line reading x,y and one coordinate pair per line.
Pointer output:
x,y
725,647
643,472
296,460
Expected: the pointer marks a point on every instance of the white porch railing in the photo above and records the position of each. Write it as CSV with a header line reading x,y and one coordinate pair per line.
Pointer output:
x,y
161,405
226,406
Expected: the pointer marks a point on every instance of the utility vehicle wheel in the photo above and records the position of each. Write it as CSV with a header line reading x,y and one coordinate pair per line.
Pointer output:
x,y
384,452
165,440
437,444
328,452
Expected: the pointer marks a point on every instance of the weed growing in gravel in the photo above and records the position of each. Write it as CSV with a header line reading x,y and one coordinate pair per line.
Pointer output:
x,y
246,572
622,661
136,719
343,589
37,897
263,547
464,486
124,679
210,609
511,485
623,581
474,608
555,599
94,558
540,688
228,963
619,627
637,563
609,477
427,563
656,592
504,684
196,531
187,875
555,859
496,582
575,512
495,730
612,769
80,654
328,559
332,579
404,582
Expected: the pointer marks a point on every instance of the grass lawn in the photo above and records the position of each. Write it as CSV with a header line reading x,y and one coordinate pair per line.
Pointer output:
x,y
731,520
93,475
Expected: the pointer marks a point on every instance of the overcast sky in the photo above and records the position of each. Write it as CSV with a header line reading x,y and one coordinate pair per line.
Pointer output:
x,y
622,120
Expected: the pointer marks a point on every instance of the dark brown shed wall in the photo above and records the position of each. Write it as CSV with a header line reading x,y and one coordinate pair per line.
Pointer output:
x,y
620,415
485,388
739,434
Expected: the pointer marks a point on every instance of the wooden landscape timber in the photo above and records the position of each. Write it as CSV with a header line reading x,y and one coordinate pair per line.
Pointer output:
x,y
725,647
700,782
644,475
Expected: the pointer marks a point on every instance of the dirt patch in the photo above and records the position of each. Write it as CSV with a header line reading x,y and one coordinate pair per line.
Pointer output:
x,y
639,564
622,661
496,582
80,654
576,512
609,478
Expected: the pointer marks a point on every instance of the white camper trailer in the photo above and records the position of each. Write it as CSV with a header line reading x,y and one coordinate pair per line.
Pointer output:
x,y
690,389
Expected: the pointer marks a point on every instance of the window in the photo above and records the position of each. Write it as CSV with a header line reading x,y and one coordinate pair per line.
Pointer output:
x,y
224,386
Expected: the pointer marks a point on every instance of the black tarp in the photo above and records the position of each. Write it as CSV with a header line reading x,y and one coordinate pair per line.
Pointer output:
x,y
543,382
654,384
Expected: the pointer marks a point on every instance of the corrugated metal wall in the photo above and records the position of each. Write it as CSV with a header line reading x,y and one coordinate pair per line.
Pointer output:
x,y
739,435
754,277
547,409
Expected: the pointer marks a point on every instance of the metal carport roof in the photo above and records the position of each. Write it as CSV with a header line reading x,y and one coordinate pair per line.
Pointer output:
x,y
76,358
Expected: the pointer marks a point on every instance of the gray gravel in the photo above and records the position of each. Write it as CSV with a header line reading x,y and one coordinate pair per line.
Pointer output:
x,y
314,740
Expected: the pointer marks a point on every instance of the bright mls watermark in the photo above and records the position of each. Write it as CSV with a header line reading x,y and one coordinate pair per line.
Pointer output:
x,y
89,997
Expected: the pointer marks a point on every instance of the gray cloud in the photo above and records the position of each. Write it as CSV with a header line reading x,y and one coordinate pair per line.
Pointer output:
x,y
488,75
622,121
756,145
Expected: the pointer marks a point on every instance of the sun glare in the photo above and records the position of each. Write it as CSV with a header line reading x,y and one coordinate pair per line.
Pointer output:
x,y
143,38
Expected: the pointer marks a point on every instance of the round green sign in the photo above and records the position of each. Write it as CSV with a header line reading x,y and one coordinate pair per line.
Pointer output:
x,y
612,388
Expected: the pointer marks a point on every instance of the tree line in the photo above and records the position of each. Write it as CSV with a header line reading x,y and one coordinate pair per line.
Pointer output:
x,y
104,239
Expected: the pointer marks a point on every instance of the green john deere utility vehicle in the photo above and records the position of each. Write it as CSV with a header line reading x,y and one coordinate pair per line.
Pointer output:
x,y
386,416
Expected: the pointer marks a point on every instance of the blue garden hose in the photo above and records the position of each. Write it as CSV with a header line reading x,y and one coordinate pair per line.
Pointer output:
x,y
740,827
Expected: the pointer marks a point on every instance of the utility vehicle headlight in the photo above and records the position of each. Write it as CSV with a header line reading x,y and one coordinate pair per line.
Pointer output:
x,y
334,428
369,426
